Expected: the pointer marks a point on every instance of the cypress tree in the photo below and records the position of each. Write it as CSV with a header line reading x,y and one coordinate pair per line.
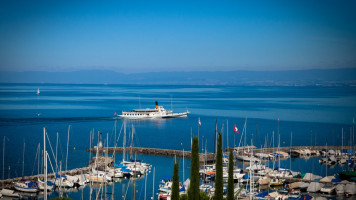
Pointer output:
x,y
193,192
230,183
219,184
175,184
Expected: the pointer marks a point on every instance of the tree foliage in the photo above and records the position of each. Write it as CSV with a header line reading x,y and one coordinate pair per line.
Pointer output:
x,y
204,196
175,184
61,198
219,184
230,182
183,197
193,192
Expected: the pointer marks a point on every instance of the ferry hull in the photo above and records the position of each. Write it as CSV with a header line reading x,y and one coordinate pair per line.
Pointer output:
x,y
174,115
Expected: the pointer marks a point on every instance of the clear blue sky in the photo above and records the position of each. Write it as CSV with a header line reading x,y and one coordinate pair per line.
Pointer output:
x,y
144,36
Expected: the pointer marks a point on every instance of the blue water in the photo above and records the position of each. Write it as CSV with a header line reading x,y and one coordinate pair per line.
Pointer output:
x,y
315,115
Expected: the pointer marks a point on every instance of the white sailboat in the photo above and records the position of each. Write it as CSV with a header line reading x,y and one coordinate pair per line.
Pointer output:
x,y
137,167
38,91
6,192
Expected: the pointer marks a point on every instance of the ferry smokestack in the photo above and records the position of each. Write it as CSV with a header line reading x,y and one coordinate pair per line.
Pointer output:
x,y
157,105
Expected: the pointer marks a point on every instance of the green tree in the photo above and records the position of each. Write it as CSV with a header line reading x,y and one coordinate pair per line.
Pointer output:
x,y
175,184
183,197
230,182
193,192
204,196
219,184
61,198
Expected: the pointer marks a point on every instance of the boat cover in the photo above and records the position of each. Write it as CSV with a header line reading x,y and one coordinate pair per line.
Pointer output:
x,y
57,176
315,187
306,197
336,180
310,176
262,194
350,188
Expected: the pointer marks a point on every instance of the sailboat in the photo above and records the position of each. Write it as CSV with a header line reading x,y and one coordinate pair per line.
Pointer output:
x,y
7,192
137,167
38,91
26,186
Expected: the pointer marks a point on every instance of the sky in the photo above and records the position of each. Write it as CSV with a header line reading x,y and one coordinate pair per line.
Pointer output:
x,y
168,35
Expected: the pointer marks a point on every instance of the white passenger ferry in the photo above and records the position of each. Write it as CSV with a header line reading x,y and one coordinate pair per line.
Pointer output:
x,y
158,112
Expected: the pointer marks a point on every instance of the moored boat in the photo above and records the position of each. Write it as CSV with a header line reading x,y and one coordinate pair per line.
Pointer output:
x,y
9,193
26,186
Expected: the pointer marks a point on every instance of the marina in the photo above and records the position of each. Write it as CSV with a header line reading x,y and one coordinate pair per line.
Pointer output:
x,y
157,143
292,182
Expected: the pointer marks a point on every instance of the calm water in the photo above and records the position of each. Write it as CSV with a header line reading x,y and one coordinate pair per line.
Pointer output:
x,y
315,115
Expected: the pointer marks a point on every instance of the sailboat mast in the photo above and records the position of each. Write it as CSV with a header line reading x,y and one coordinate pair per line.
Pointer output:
x,y
183,165
124,143
227,133
23,158
67,148
342,140
89,146
274,156
3,163
115,139
145,185
57,152
279,157
353,134
153,183
38,160
290,151
45,163
132,140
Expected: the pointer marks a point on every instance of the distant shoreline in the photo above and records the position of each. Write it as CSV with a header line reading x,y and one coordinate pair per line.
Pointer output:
x,y
313,77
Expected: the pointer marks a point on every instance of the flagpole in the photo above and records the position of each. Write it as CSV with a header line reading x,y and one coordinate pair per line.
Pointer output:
x,y
198,130
227,133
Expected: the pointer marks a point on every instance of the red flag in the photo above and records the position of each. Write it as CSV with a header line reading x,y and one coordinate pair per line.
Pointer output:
x,y
115,113
236,129
199,121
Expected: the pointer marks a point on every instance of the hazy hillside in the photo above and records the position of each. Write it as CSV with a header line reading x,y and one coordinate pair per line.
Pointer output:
x,y
297,77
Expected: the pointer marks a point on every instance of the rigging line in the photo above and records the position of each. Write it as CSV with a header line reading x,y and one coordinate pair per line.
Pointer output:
x,y
117,140
60,146
34,162
50,163
128,185
51,148
67,146
112,133
243,131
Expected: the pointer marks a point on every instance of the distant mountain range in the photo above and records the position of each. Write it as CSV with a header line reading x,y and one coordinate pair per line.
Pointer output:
x,y
324,77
